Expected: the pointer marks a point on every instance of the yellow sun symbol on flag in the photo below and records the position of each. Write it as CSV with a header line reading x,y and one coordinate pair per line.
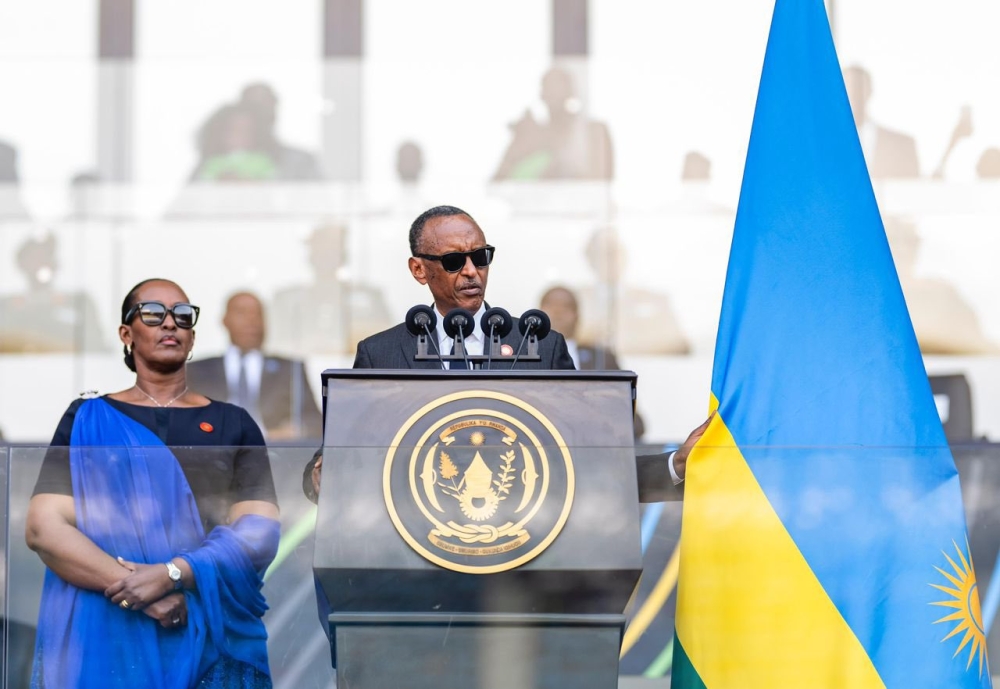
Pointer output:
x,y
968,616
477,438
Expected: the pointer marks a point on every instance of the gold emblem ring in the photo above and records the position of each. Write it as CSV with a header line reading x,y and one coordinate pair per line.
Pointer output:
x,y
124,605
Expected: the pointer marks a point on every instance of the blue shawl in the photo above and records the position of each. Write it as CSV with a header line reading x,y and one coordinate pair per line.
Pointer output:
x,y
133,500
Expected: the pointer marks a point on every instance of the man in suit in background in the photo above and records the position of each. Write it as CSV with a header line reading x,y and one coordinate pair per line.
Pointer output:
x,y
889,154
274,390
450,255
561,305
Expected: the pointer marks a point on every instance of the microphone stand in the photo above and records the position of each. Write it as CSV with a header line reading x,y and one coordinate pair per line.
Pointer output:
x,y
493,339
521,345
437,352
422,340
460,347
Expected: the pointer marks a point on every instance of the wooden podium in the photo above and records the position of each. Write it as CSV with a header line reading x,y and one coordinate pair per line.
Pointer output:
x,y
477,528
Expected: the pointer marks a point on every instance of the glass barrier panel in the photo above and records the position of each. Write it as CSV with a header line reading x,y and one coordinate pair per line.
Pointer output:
x,y
518,530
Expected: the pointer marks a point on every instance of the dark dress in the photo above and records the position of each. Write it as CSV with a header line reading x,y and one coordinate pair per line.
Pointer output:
x,y
221,452
219,447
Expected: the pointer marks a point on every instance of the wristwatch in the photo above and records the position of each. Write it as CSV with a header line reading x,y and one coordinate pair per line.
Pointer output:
x,y
174,572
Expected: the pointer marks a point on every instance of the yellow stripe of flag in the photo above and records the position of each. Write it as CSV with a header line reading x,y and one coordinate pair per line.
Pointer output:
x,y
739,567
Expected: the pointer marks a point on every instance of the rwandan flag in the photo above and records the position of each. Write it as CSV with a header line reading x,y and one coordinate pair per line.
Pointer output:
x,y
823,540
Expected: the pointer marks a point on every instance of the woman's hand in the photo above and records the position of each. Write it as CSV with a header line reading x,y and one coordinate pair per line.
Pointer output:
x,y
170,611
145,585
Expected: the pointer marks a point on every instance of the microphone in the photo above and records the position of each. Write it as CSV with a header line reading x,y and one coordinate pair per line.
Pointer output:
x,y
536,321
420,321
533,322
459,321
458,324
420,318
497,322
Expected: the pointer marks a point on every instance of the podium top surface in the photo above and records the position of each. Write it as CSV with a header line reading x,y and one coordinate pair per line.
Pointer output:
x,y
491,374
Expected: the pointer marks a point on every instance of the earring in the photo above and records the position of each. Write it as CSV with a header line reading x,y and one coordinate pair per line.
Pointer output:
x,y
128,350
190,355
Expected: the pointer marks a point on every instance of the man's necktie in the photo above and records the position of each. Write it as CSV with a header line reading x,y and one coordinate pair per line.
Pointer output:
x,y
459,364
243,385
245,397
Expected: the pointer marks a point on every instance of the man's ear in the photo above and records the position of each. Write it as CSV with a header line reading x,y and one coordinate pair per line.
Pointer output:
x,y
417,270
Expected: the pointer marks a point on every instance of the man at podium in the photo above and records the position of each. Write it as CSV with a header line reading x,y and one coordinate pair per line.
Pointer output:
x,y
450,255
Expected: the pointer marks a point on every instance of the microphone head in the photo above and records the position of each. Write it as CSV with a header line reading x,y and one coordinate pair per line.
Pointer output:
x,y
535,321
499,319
419,317
459,320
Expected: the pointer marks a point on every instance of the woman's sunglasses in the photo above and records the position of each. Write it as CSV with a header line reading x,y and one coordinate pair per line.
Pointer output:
x,y
455,261
155,312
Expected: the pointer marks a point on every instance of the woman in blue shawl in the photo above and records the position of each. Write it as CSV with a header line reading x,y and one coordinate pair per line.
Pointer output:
x,y
156,516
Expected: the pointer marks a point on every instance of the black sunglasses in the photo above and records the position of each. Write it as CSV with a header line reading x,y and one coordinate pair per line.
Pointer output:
x,y
155,312
455,261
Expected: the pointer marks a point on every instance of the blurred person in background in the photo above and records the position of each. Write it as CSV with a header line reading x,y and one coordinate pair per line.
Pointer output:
x,y
84,195
155,515
988,165
11,206
43,319
330,314
561,305
292,164
638,320
411,198
963,130
8,164
409,163
696,168
569,145
274,390
889,154
232,148
944,321
238,142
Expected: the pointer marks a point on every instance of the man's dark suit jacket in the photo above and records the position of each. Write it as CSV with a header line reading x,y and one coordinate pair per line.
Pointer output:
x,y
397,347
276,404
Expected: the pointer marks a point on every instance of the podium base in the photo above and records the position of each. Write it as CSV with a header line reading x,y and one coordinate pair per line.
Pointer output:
x,y
476,651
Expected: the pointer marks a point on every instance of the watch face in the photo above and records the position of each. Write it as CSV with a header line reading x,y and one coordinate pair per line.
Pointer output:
x,y
173,572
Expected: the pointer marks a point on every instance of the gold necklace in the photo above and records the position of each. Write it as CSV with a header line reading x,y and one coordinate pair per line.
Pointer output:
x,y
183,392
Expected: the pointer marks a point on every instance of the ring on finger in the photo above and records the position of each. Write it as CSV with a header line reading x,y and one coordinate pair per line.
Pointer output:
x,y
124,605
176,620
